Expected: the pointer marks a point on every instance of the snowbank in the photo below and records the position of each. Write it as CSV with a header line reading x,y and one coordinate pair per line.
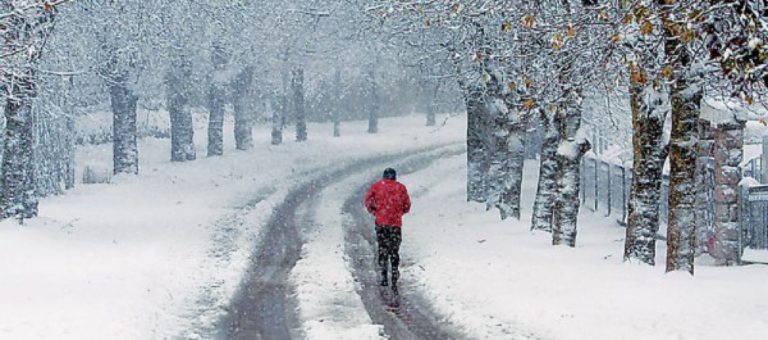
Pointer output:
x,y
503,282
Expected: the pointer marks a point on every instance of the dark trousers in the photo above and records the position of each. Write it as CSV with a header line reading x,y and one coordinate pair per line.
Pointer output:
x,y
389,238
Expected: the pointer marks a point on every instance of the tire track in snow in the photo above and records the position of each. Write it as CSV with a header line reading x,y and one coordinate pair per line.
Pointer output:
x,y
326,292
230,233
263,308
413,319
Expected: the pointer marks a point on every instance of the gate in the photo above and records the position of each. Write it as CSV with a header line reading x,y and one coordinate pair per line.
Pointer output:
x,y
755,222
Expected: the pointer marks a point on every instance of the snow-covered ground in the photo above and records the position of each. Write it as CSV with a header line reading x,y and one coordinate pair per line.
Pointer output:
x,y
158,255
155,255
329,306
501,281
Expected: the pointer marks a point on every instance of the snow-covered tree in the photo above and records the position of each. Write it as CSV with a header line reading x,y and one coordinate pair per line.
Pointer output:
x,y
242,93
119,61
649,103
182,128
336,99
299,110
217,96
24,27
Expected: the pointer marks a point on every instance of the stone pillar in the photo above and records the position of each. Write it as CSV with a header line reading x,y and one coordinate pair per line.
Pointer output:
x,y
705,184
728,153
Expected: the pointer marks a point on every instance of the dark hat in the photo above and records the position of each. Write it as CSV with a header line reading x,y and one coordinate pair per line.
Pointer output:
x,y
390,173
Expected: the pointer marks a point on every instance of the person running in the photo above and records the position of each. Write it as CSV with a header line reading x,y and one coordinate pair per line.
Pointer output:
x,y
388,200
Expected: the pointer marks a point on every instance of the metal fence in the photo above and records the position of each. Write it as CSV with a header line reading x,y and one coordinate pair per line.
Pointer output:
x,y
754,212
754,208
605,188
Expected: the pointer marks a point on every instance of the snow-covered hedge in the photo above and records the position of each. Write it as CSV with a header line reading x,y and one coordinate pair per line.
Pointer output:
x,y
96,127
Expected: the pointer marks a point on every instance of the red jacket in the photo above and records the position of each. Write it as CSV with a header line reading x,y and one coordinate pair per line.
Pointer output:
x,y
388,200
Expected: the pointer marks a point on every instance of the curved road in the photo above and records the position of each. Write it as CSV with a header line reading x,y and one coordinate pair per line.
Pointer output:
x,y
262,307
406,316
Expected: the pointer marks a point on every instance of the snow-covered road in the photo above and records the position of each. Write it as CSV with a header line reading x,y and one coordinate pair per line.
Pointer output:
x,y
407,316
162,254
263,307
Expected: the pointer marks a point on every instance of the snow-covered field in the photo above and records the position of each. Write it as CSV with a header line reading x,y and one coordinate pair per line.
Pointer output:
x,y
501,281
156,255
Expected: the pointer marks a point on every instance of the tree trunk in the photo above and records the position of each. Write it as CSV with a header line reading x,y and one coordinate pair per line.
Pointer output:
x,y
477,164
69,167
298,102
373,105
53,141
277,121
570,151
243,116
50,151
505,172
649,154
182,128
477,158
215,120
681,232
543,204
216,100
64,143
125,152
18,195
24,34
514,190
686,103
336,109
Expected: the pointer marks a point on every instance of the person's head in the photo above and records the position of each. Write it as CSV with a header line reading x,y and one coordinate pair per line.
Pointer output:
x,y
390,173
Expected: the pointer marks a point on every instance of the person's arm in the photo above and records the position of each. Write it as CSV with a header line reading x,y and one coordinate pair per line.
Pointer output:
x,y
369,202
406,201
